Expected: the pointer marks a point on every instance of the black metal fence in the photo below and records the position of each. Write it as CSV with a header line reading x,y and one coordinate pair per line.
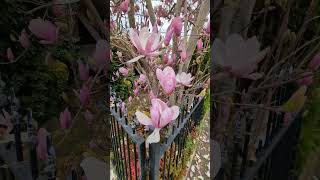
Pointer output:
x,y
18,154
275,152
133,160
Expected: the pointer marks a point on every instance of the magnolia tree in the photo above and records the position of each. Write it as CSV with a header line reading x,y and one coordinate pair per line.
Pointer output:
x,y
249,68
165,45
87,101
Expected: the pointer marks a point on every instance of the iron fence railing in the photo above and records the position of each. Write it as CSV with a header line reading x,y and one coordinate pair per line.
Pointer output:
x,y
276,150
133,160
18,154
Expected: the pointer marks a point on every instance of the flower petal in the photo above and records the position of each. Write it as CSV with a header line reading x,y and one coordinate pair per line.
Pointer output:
x,y
154,137
143,119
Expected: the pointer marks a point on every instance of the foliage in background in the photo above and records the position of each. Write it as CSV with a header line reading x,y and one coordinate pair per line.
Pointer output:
x,y
309,141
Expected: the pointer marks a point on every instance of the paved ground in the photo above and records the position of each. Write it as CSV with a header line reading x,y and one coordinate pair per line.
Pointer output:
x,y
200,165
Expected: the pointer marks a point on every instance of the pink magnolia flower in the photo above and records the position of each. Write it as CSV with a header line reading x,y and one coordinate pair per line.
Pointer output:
x,y
161,115
146,43
42,152
168,36
65,119
315,62
10,55
83,71
101,53
84,95
44,30
239,57
124,6
88,116
24,39
143,78
167,79
199,44
5,123
176,25
124,71
184,79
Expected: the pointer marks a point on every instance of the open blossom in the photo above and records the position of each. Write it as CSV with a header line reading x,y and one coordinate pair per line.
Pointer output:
x,y
24,39
167,79
10,55
315,62
161,115
146,43
184,79
65,119
44,30
238,57
124,6
42,152
101,53
124,71
83,71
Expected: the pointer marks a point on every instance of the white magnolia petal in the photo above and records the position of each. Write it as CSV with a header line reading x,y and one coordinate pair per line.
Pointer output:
x,y
176,112
143,119
134,37
154,137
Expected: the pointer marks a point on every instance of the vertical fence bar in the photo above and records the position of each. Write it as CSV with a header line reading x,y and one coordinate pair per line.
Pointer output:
x,y
142,161
154,161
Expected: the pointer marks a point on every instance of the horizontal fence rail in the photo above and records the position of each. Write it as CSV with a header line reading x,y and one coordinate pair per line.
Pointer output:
x,y
133,159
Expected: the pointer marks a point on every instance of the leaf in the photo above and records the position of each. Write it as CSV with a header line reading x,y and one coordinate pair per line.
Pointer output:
x,y
296,101
202,93
135,59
